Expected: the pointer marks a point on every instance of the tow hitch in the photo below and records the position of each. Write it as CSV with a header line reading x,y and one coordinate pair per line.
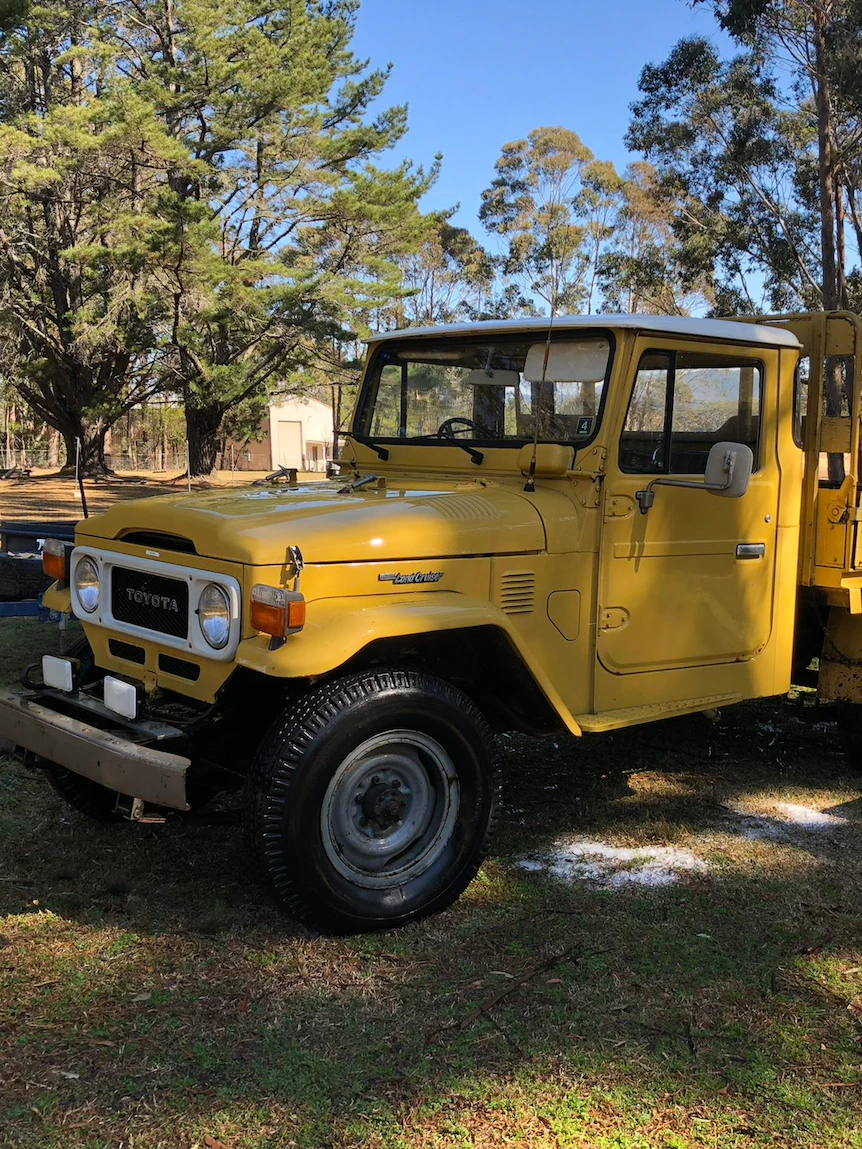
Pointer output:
x,y
135,810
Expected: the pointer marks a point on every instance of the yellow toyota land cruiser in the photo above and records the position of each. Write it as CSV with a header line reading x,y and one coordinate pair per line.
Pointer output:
x,y
581,526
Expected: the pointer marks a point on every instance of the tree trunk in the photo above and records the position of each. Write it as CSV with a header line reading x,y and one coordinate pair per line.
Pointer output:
x,y
828,227
826,173
202,427
92,449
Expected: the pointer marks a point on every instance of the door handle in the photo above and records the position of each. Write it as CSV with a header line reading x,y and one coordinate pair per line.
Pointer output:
x,y
750,550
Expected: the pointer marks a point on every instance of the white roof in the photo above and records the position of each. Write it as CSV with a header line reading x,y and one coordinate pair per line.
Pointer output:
x,y
667,324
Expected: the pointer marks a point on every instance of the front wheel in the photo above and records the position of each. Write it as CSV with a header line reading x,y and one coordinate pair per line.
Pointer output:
x,y
87,797
372,803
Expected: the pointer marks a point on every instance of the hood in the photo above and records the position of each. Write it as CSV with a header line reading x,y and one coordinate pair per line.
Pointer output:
x,y
255,525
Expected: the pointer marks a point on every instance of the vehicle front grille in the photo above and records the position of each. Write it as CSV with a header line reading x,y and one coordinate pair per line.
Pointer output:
x,y
150,601
127,651
179,668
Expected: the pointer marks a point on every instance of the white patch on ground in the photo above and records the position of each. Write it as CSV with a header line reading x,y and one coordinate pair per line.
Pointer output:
x,y
575,860
807,816
783,821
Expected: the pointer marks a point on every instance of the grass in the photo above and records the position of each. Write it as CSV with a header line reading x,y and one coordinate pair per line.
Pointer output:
x,y
152,998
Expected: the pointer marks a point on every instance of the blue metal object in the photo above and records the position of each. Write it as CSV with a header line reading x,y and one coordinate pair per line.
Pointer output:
x,y
29,608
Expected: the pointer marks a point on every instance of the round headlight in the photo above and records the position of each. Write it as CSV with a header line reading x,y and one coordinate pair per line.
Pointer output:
x,y
214,615
86,584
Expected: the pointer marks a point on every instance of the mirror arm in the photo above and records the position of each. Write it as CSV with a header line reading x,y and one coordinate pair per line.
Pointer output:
x,y
646,498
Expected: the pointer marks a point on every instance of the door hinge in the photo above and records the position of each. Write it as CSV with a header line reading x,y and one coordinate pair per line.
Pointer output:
x,y
612,617
618,507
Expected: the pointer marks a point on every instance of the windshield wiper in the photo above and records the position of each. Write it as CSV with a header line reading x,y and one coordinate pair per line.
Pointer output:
x,y
478,457
381,452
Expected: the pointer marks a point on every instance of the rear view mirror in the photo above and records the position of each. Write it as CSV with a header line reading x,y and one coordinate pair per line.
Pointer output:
x,y
489,377
728,472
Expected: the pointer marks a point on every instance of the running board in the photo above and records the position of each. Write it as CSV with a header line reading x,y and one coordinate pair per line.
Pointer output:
x,y
635,715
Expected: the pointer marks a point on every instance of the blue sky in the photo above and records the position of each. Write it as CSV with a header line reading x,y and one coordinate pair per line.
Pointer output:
x,y
478,73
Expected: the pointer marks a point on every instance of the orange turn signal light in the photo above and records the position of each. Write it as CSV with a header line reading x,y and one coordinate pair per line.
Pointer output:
x,y
54,559
277,611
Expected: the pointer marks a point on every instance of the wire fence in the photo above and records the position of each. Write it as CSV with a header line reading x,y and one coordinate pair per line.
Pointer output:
x,y
43,458
155,460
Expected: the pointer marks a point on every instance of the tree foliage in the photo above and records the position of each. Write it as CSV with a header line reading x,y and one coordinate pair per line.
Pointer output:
x,y
730,157
535,206
764,151
84,161
449,278
197,200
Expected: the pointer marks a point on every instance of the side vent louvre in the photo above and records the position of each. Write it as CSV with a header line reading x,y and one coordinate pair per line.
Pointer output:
x,y
517,592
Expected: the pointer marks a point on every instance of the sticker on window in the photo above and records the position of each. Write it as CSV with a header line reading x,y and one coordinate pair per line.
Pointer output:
x,y
585,425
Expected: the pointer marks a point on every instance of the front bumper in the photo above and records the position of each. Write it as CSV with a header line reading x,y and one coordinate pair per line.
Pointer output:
x,y
118,763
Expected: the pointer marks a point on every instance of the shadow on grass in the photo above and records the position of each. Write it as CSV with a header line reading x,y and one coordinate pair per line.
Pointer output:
x,y
149,987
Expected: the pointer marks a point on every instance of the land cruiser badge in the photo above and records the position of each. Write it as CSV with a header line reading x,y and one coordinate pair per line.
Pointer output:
x,y
406,579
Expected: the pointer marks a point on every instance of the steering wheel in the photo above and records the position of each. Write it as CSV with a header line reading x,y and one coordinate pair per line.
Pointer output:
x,y
448,430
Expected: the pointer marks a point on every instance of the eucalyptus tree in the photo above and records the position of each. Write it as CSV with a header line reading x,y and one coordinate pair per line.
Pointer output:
x,y
639,269
450,277
734,160
810,41
533,207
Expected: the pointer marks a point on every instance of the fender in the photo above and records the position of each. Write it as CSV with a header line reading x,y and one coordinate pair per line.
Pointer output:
x,y
58,598
339,628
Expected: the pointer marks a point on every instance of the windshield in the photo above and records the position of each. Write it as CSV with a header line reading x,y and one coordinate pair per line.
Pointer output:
x,y
486,390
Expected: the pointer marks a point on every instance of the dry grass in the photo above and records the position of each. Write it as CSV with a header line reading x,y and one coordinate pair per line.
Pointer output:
x,y
151,997
49,496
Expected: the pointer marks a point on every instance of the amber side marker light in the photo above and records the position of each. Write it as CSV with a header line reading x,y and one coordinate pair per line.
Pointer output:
x,y
54,559
276,611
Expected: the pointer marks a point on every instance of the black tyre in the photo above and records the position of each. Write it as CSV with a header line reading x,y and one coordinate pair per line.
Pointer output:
x,y
87,797
372,802
849,718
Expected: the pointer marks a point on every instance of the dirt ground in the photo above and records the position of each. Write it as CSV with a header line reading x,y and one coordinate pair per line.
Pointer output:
x,y
50,496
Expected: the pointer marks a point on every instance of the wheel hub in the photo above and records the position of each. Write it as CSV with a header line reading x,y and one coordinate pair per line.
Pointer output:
x,y
390,808
384,805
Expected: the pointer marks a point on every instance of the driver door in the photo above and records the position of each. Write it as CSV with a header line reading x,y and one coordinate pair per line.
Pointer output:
x,y
686,590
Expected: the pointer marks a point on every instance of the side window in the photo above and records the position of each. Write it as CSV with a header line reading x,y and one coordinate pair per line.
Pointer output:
x,y
642,445
800,399
682,403
715,397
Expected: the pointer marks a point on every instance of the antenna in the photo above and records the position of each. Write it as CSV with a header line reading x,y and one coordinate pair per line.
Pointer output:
x,y
553,205
530,484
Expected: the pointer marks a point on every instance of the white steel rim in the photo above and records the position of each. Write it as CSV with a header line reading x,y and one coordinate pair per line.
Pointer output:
x,y
390,809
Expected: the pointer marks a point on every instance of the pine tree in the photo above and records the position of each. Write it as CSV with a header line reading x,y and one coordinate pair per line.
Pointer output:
x,y
286,232
79,236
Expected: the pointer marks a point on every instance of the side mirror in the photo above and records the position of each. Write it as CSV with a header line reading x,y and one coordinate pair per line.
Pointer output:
x,y
728,469
728,472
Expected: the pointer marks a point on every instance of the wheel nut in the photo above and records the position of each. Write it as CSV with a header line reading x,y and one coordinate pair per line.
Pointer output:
x,y
396,783
375,781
